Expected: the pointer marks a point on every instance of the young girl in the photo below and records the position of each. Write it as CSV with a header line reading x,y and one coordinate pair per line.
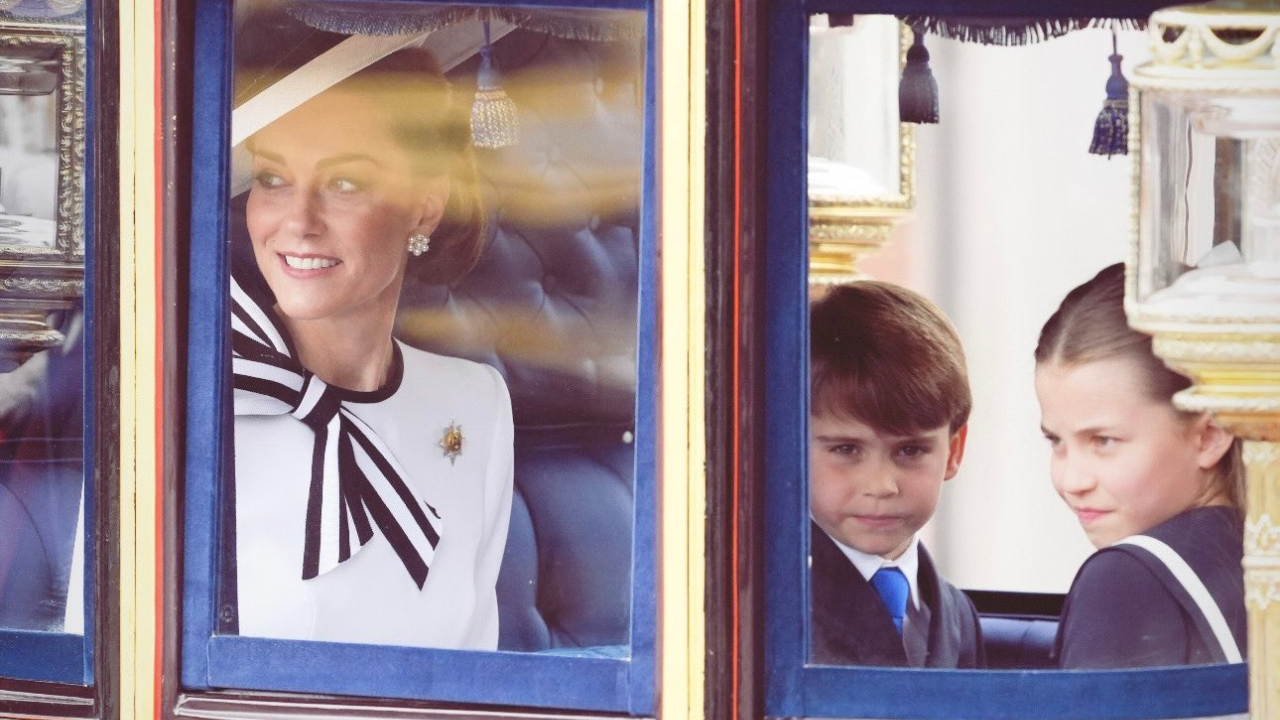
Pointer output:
x,y
1159,492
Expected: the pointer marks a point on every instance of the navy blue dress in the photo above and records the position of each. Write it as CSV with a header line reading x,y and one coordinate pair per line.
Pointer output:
x,y
1125,609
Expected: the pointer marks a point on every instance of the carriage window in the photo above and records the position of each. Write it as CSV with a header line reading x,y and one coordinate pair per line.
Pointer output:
x,y
436,393
46,506
937,536
1057,233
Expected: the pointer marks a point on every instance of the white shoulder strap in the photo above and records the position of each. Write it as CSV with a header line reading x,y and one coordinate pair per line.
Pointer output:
x,y
1194,587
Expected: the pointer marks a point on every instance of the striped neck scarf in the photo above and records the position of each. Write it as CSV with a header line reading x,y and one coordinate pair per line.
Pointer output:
x,y
356,483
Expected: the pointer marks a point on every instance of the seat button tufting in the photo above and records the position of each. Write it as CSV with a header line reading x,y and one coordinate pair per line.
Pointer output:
x,y
599,86
549,283
594,223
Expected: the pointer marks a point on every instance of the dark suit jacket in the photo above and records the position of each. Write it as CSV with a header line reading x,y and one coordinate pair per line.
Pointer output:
x,y
852,627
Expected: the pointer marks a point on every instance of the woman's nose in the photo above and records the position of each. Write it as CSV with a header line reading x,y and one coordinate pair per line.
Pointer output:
x,y
303,218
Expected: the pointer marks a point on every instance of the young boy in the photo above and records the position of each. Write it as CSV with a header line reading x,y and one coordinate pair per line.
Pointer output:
x,y
889,399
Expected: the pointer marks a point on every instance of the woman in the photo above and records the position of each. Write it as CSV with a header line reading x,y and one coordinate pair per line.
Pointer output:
x,y
1159,492
373,481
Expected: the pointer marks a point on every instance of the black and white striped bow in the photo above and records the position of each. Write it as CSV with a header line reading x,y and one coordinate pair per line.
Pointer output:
x,y
354,476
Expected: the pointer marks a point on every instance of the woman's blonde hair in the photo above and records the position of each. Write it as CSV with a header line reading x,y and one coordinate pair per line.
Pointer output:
x,y
1090,325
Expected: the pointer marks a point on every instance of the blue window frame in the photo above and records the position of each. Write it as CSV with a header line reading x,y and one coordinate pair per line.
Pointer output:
x,y
796,687
46,656
600,680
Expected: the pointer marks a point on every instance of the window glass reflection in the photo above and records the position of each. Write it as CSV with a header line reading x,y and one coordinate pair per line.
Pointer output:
x,y
41,482
42,333
435,245
1011,213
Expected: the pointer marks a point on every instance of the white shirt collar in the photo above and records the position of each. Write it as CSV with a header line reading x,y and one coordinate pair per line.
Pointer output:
x,y
908,562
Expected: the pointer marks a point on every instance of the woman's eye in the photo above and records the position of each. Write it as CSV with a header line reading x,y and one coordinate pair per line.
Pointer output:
x,y
1103,440
345,185
268,180
1053,440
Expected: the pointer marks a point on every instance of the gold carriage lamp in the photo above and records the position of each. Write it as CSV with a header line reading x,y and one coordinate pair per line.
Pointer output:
x,y
860,155
1204,270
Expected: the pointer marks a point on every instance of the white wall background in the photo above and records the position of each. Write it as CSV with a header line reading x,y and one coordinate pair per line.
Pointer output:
x,y
1012,212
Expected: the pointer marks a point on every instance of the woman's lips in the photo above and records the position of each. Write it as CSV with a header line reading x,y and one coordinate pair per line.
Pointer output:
x,y
305,265
1088,515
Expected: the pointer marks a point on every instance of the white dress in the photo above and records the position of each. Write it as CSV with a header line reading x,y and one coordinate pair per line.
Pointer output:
x,y
370,598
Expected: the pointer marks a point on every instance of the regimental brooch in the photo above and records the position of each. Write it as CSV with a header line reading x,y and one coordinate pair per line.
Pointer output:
x,y
451,443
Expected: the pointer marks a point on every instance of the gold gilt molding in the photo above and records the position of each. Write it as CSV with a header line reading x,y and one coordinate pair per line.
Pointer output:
x,y
834,250
1262,537
39,278
843,229
1261,589
1262,568
1193,36
69,50
1238,350
1228,346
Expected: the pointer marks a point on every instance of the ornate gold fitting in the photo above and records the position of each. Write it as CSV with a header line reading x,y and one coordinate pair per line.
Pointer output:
x,y
1204,266
855,195
42,248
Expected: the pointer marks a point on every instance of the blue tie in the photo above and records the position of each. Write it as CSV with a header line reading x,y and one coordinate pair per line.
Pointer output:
x,y
893,589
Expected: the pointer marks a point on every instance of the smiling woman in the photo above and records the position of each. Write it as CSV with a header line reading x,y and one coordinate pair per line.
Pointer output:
x,y
332,207
373,481
420,435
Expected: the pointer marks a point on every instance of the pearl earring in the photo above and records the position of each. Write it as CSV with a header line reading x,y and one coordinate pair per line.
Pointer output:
x,y
419,244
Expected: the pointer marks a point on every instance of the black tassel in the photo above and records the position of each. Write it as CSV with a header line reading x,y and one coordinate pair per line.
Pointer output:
x,y
918,91
1111,129
494,120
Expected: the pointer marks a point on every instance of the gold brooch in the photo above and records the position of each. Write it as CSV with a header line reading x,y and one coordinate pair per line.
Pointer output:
x,y
451,443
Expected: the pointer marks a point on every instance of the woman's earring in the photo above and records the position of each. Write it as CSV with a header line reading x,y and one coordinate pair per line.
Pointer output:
x,y
419,244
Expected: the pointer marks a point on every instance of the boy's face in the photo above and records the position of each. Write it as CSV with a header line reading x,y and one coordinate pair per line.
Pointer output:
x,y
873,491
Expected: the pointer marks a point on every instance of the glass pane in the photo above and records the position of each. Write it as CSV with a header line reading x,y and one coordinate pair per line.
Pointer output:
x,y
435,232
855,138
42,584
1012,212
1211,202
29,171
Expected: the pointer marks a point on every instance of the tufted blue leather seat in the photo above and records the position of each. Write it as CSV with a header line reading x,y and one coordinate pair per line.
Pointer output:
x,y
1019,642
1018,628
553,305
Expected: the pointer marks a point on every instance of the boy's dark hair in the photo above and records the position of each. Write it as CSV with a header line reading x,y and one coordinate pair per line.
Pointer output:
x,y
888,357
